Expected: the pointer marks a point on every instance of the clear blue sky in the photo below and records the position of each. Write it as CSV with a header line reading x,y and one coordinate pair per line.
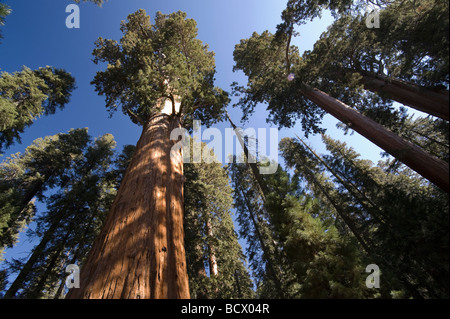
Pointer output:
x,y
35,35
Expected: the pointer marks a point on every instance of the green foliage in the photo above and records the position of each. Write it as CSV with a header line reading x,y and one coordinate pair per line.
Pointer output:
x,y
262,249
409,45
300,11
75,213
28,94
400,221
209,229
42,166
412,42
5,10
262,58
294,252
154,63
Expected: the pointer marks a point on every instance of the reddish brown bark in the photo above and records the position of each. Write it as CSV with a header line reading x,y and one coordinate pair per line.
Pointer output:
x,y
418,97
139,253
430,167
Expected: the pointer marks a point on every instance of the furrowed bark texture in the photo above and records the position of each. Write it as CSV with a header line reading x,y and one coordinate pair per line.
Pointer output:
x,y
430,167
139,253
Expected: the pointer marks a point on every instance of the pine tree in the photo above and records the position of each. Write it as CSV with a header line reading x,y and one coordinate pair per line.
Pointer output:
x,y
161,75
24,177
397,61
414,212
263,60
28,94
211,241
378,207
326,263
75,212
254,226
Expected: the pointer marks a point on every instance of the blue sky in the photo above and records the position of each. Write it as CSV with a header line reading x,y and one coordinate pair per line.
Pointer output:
x,y
35,35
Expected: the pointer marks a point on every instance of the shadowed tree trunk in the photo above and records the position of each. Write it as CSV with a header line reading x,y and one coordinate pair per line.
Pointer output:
x,y
139,253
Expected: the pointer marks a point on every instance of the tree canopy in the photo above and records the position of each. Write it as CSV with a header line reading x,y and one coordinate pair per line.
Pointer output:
x,y
25,95
143,222
156,62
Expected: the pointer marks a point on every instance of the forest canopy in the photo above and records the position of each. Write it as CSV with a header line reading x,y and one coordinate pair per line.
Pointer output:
x,y
120,203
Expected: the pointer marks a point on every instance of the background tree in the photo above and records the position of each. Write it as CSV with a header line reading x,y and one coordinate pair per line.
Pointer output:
x,y
403,218
397,61
25,177
263,59
362,196
300,249
262,249
75,212
28,94
211,241
162,76
5,10
327,264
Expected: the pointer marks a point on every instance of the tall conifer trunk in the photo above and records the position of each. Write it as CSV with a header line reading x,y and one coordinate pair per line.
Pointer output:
x,y
139,253
430,167
418,97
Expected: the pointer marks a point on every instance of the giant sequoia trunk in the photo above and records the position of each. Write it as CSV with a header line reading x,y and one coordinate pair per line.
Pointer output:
x,y
430,167
140,250
418,97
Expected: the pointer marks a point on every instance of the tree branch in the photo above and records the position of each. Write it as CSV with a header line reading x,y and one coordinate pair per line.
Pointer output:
x,y
135,117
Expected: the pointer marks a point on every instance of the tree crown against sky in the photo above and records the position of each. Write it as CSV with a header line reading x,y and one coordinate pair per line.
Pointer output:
x,y
154,63
280,58
25,95
43,166
403,47
263,61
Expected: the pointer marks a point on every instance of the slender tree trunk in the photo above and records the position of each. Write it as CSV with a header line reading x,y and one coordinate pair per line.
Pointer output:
x,y
347,220
368,246
430,167
418,97
375,211
267,257
238,283
38,290
139,253
259,180
37,251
